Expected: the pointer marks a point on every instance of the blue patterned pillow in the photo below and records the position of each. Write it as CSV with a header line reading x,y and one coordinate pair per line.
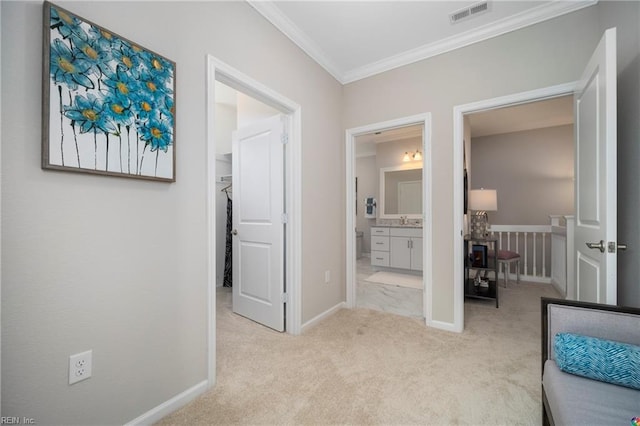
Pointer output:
x,y
598,359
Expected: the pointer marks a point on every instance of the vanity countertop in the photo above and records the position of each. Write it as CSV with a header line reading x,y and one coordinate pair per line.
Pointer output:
x,y
398,226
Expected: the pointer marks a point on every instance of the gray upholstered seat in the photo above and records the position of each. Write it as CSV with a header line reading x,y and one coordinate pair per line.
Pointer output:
x,y
506,258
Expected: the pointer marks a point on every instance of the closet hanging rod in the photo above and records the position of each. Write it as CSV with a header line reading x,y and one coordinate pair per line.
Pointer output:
x,y
223,179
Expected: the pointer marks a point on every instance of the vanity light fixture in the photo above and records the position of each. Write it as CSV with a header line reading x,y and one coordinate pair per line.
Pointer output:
x,y
414,156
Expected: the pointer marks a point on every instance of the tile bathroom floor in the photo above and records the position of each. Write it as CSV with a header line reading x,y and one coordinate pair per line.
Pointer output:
x,y
382,297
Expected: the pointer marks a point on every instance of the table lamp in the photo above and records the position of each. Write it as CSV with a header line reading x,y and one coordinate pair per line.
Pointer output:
x,y
481,201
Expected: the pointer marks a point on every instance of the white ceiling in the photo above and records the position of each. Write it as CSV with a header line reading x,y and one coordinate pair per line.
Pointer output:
x,y
356,39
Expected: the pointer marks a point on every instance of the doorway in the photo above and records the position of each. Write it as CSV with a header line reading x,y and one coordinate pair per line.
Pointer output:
x,y
424,122
458,158
218,71
389,166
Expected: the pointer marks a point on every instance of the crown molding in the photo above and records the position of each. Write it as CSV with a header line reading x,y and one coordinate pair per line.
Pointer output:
x,y
274,15
536,15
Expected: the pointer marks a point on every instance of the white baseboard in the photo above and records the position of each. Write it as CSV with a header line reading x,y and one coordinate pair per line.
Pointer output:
x,y
446,326
326,314
559,289
167,407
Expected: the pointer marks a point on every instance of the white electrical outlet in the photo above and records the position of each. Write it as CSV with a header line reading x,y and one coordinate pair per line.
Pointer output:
x,y
327,276
80,366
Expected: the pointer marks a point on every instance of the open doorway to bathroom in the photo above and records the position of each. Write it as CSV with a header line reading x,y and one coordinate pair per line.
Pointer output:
x,y
389,191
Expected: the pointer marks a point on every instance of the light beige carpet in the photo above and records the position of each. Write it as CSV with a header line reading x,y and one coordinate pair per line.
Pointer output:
x,y
393,278
367,367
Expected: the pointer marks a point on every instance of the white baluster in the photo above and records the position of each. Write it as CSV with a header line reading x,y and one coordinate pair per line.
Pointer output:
x,y
517,238
517,248
535,264
526,257
544,257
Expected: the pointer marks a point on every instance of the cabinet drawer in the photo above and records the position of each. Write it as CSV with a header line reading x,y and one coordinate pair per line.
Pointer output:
x,y
379,231
406,232
379,258
379,243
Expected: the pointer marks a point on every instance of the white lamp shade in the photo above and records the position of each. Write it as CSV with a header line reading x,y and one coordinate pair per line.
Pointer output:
x,y
483,199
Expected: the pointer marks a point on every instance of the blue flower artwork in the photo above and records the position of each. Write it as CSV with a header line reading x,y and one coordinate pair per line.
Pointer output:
x,y
109,104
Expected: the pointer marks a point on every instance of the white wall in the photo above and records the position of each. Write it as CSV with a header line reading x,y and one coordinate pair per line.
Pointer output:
x,y
532,172
390,154
226,123
542,55
251,110
120,265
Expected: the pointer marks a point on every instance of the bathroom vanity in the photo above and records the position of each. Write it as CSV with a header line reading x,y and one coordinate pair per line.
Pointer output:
x,y
397,247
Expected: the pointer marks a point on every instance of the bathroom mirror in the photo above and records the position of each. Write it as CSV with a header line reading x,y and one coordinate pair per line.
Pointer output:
x,y
401,192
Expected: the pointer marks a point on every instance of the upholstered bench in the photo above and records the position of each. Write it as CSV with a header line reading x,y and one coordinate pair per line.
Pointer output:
x,y
589,368
506,258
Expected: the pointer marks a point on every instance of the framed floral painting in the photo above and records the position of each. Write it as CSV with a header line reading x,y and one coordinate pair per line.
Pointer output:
x,y
108,103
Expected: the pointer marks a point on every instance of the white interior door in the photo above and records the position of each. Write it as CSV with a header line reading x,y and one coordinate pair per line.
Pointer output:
x,y
595,176
258,228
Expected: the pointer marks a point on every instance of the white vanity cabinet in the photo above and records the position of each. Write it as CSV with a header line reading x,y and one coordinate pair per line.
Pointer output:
x,y
405,248
379,246
397,247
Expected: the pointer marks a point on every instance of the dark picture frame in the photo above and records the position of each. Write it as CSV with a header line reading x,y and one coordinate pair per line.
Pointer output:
x,y
108,103
479,256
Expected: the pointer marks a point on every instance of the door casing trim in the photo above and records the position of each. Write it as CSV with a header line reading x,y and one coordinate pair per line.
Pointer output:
x,y
427,216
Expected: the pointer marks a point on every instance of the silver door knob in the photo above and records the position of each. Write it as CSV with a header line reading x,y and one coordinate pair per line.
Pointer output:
x,y
599,246
622,247
234,232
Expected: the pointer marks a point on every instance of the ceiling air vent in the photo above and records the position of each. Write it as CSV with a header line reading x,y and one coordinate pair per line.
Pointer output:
x,y
469,11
